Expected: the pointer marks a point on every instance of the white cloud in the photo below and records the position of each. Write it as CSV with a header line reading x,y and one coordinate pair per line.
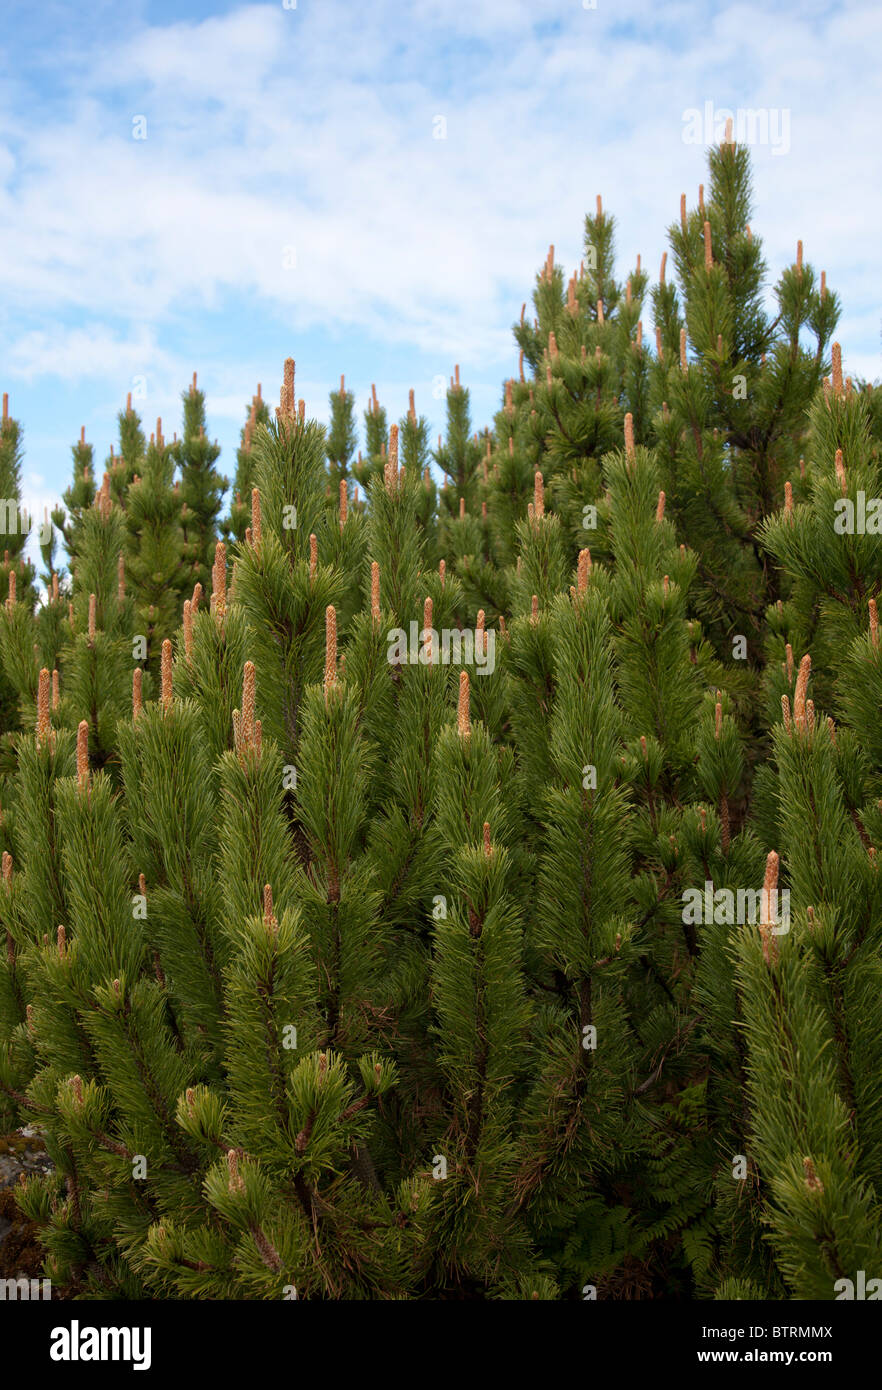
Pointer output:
x,y
82,353
312,128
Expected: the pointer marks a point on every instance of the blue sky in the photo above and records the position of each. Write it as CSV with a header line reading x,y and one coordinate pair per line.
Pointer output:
x,y
308,134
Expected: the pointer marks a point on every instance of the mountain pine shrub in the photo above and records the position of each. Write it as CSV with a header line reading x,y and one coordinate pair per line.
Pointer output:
x,y
467,891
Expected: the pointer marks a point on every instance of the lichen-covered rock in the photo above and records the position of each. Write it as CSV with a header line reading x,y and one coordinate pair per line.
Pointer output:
x,y
22,1153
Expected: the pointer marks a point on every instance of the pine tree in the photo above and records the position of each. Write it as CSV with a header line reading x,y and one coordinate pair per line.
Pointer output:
x,y
78,497
16,520
341,434
154,567
733,413
461,910
376,442
17,573
235,524
202,489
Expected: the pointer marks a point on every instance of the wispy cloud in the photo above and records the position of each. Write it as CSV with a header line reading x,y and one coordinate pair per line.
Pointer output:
x,y
290,192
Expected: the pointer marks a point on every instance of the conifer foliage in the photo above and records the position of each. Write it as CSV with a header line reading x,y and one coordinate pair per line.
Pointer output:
x,y
466,891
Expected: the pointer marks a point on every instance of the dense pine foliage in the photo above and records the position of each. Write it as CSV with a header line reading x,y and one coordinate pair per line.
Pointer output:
x,y
466,892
